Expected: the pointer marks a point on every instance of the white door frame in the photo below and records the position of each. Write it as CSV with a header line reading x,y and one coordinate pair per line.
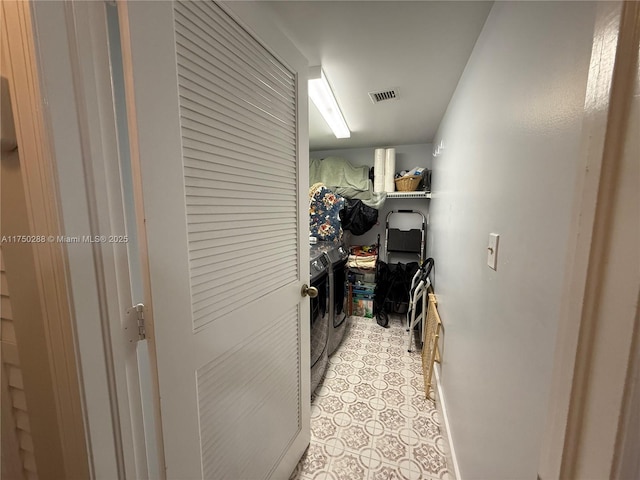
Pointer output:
x,y
52,310
72,43
596,357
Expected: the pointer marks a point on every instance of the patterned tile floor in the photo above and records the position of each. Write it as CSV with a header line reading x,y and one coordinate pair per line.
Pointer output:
x,y
369,417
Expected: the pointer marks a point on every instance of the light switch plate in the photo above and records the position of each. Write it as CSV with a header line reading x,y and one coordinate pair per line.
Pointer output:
x,y
492,250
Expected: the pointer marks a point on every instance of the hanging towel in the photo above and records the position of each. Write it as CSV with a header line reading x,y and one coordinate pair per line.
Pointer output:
x,y
324,213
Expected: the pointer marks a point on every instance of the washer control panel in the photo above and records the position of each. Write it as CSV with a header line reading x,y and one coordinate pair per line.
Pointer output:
x,y
319,264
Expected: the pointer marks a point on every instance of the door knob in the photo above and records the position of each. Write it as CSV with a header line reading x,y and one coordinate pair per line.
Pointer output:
x,y
307,290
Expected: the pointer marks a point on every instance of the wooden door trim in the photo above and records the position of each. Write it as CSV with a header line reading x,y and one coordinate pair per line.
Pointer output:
x,y
40,187
609,88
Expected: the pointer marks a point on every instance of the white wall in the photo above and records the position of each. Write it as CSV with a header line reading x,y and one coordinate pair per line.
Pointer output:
x,y
511,142
407,157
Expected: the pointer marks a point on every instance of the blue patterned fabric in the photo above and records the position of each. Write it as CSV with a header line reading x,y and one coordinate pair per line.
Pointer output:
x,y
324,218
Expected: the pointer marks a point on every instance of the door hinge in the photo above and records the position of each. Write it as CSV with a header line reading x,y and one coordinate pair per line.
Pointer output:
x,y
142,330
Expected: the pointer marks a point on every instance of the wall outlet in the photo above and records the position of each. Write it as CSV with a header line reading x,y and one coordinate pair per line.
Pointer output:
x,y
492,250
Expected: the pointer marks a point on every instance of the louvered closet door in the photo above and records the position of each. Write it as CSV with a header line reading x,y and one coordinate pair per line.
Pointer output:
x,y
218,126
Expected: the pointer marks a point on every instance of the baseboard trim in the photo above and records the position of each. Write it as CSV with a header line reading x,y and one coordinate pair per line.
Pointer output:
x,y
441,406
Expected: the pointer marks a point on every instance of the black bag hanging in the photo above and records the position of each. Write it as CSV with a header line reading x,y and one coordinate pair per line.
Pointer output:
x,y
357,217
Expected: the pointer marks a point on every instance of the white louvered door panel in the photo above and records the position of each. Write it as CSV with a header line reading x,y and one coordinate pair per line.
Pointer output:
x,y
218,120
223,62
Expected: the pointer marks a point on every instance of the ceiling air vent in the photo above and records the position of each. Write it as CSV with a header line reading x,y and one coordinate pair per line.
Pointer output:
x,y
390,94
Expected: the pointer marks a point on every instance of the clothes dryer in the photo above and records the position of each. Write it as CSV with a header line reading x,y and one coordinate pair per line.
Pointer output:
x,y
338,255
320,315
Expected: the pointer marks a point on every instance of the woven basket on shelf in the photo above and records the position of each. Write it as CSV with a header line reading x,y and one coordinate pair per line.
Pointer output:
x,y
408,183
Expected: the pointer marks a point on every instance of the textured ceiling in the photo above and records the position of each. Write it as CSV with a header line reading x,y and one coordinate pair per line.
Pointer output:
x,y
418,47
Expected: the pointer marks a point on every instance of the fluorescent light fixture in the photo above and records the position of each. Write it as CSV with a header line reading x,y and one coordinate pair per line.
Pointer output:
x,y
322,96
